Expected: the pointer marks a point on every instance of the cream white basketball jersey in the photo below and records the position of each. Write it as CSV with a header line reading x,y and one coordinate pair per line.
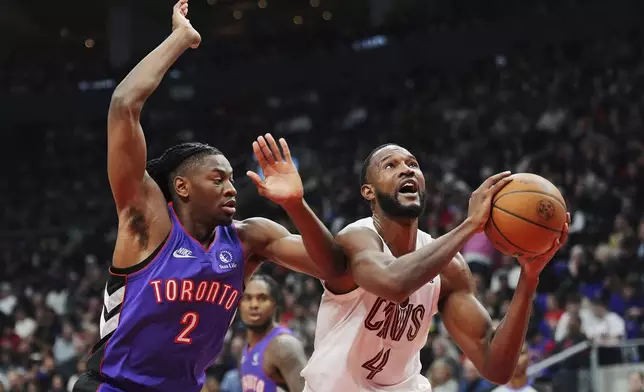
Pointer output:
x,y
364,343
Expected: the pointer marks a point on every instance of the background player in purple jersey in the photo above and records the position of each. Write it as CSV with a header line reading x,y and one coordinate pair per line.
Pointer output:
x,y
272,358
180,261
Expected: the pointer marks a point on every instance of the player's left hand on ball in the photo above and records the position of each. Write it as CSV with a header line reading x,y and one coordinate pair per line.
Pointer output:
x,y
533,265
282,183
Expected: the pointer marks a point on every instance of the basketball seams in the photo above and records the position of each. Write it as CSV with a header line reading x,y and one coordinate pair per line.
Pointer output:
x,y
527,220
550,195
506,238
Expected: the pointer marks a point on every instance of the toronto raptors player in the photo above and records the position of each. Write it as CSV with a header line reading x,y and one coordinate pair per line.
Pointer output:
x,y
373,322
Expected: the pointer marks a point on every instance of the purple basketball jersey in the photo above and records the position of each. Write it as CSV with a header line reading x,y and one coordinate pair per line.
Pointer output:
x,y
252,372
164,320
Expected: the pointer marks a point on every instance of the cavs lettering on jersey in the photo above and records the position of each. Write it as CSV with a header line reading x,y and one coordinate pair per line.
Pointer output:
x,y
364,343
164,320
254,379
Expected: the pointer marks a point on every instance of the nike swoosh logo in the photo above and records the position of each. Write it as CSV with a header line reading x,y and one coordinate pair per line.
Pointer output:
x,y
180,256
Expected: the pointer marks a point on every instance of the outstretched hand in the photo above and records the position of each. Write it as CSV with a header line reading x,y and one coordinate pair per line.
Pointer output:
x,y
533,265
282,183
180,21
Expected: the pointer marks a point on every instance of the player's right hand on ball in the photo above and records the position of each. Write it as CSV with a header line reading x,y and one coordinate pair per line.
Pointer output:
x,y
180,21
481,200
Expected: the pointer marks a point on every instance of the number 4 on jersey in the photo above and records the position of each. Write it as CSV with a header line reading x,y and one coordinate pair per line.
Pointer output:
x,y
376,364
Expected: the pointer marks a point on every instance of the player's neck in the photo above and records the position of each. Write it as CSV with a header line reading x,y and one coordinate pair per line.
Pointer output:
x,y
254,336
518,382
202,232
399,234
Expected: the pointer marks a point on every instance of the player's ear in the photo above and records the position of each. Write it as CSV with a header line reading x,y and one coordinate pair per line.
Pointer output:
x,y
181,186
368,192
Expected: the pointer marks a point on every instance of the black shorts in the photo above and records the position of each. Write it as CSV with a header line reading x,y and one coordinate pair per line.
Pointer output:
x,y
92,382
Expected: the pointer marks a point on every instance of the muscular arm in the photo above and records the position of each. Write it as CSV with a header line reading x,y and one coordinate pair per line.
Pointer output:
x,y
310,253
494,352
286,355
318,240
395,278
126,148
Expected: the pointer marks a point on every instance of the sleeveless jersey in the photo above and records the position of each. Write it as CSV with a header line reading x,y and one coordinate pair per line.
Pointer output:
x,y
164,320
364,343
252,371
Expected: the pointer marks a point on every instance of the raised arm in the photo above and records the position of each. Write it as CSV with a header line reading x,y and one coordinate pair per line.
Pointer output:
x,y
395,278
126,149
314,252
494,352
285,356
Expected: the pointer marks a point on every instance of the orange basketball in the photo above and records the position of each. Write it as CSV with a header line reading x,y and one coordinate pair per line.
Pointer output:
x,y
527,216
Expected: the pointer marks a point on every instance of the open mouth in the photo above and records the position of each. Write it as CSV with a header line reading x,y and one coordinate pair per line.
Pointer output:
x,y
408,187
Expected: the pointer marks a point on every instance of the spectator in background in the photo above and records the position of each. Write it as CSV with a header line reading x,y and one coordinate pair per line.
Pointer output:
x,y
604,326
440,376
636,382
607,329
471,380
25,326
509,270
565,378
8,300
64,346
212,385
231,382
443,349
57,384
480,255
640,236
573,308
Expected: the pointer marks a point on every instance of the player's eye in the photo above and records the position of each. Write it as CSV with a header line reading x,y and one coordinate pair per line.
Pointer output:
x,y
218,181
389,166
413,164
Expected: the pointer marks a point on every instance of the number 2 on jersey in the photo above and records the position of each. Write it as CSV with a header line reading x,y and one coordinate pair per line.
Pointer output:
x,y
190,320
376,364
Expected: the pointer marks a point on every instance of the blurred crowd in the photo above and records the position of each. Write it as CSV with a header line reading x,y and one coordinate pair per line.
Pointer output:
x,y
572,113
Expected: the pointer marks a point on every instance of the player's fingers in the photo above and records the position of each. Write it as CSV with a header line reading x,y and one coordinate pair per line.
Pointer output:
x,y
500,185
487,184
259,155
274,148
547,255
564,234
286,150
266,150
257,180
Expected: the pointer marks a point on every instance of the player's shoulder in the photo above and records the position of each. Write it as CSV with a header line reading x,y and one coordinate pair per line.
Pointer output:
x,y
285,345
358,234
364,225
286,339
258,229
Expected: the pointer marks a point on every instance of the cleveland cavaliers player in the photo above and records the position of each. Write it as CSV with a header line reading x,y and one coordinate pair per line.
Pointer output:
x,y
373,322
